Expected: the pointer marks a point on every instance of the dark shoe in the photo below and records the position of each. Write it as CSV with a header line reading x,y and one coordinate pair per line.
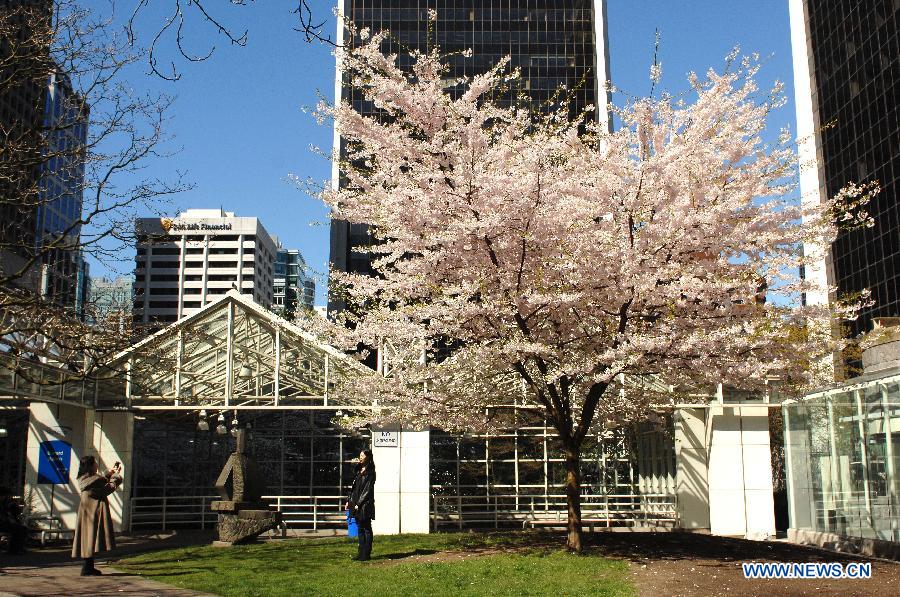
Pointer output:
x,y
91,572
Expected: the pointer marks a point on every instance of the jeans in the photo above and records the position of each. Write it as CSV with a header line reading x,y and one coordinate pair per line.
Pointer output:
x,y
364,526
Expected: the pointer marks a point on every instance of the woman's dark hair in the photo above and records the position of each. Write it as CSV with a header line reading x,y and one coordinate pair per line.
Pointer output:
x,y
86,466
370,461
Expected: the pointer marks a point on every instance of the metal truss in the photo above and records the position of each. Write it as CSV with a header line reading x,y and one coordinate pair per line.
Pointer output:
x,y
232,354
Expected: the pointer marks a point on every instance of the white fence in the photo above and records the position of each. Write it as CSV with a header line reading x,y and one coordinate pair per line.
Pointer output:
x,y
324,512
657,509
298,511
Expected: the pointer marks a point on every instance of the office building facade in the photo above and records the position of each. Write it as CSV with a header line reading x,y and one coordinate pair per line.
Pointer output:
x,y
186,262
22,103
111,301
60,199
559,43
847,81
294,288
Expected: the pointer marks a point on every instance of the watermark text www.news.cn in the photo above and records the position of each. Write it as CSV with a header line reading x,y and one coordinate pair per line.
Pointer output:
x,y
801,570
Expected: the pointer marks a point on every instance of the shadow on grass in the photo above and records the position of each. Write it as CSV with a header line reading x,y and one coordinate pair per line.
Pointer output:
x,y
407,554
719,551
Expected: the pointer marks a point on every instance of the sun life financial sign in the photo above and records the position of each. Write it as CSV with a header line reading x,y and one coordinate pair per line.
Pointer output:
x,y
385,439
170,225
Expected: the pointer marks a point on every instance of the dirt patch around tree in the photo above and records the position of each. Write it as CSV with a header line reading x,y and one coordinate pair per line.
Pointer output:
x,y
684,564
688,564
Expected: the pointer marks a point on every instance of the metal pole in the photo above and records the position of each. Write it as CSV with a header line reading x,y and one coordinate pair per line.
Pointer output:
x,y
229,354
128,386
864,454
890,467
179,357
327,374
277,365
835,490
789,468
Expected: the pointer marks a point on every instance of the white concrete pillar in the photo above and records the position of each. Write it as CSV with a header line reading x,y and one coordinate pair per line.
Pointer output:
x,y
113,441
692,483
107,435
402,486
740,472
56,422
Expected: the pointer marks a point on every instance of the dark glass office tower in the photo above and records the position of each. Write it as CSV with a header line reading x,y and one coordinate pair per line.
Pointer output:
x,y
23,87
553,44
847,72
60,198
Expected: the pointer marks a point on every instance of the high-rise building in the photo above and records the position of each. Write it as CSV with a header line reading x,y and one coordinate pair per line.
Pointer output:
x,y
847,81
61,185
294,287
185,262
23,87
551,43
111,301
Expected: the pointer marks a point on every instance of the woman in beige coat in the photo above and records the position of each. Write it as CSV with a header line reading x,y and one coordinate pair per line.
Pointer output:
x,y
94,530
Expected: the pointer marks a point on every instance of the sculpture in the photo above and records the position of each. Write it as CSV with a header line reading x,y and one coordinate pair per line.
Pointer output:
x,y
243,515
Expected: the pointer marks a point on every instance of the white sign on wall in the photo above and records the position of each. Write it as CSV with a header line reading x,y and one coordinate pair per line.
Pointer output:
x,y
385,439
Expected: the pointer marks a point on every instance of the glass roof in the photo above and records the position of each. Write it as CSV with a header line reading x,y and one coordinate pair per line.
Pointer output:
x,y
231,354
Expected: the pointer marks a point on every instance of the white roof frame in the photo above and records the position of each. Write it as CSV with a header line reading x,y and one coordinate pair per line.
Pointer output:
x,y
231,354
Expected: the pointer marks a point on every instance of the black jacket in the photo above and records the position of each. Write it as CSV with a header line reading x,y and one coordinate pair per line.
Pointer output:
x,y
362,495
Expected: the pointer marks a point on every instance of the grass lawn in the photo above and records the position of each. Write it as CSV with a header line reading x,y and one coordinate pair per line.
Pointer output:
x,y
437,564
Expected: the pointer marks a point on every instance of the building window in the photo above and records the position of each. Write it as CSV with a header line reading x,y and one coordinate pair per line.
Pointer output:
x,y
163,304
164,264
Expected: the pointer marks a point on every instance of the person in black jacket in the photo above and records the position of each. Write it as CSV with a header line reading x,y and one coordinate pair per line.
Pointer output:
x,y
361,503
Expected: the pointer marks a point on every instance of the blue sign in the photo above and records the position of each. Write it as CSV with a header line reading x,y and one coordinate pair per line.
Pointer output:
x,y
53,462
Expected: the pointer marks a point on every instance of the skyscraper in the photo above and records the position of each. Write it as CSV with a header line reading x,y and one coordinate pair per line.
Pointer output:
x,y
185,262
294,288
552,43
60,195
847,81
111,301
23,58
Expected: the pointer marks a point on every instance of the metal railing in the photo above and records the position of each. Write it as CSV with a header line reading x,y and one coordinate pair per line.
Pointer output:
x,y
511,510
298,511
499,510
172,512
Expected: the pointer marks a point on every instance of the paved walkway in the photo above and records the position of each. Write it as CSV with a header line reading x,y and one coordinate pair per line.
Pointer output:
x,y
50,571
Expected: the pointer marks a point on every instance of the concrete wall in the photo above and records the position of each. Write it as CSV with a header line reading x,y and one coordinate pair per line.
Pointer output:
x,y
724,479
402,487
691,458
113,441
108,435
49,422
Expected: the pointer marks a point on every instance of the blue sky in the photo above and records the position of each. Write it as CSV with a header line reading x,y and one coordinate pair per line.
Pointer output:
x,y
238,118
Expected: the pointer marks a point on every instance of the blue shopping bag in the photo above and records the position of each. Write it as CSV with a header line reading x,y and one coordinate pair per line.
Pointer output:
x,y
352,530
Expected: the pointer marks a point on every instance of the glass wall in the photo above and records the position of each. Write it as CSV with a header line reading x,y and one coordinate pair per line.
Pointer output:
x,y
520,474
299,454
843,453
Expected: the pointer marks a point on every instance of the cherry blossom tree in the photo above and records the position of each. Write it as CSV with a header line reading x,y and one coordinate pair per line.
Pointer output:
x,y
521,257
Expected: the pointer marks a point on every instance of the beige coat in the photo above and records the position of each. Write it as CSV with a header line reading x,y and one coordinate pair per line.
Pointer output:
x,y
94,531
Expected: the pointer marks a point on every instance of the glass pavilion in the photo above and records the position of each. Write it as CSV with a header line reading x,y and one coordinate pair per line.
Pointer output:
x,y
842,450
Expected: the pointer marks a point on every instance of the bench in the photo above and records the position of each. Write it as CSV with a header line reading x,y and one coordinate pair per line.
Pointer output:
x,y
50,527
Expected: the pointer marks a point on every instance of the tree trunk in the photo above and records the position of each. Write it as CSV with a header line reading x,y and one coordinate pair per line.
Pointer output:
x,y
573,498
